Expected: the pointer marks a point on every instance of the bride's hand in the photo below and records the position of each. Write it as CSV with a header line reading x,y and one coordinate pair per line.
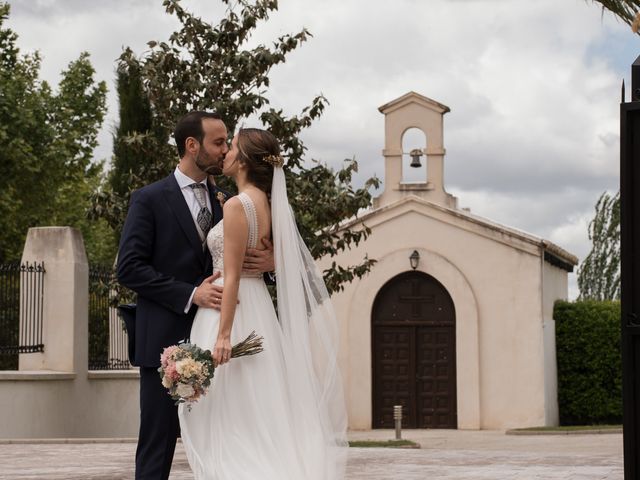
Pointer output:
x,y
222,351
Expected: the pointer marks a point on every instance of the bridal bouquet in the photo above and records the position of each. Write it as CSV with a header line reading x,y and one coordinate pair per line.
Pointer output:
x,y
186,369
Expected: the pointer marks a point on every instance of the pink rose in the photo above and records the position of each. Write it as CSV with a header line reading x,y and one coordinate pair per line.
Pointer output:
x,y
171,372
168,353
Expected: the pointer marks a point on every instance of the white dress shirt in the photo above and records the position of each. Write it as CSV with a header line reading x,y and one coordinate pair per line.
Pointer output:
x,y
184,183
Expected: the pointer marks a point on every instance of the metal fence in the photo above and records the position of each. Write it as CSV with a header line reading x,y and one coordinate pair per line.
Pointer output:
x,y
20,337
107,336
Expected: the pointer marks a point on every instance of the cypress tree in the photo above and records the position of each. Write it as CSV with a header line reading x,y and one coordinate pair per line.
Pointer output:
x,y
135,119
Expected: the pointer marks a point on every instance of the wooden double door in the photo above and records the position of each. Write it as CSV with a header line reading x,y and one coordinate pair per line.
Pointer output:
x,y
414,353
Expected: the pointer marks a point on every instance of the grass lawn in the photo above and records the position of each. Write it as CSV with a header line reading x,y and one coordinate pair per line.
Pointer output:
x,y
570,428
566,430
383,444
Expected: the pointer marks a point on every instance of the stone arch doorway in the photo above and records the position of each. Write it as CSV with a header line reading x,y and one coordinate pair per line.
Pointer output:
x,y
414,353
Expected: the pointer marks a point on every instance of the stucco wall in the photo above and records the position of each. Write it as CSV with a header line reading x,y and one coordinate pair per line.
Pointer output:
x,y
500,337
52,395
555,288
48,404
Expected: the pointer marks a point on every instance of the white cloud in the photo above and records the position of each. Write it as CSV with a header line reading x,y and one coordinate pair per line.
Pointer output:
x,y
533,87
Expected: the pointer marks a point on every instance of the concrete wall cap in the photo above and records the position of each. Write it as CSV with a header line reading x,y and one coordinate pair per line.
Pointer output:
x,y
31,375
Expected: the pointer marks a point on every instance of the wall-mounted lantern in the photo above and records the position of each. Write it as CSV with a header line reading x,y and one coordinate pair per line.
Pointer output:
x,y
414,259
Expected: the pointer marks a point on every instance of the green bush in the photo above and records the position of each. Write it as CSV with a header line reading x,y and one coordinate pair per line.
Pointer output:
x,y
9,315
589,362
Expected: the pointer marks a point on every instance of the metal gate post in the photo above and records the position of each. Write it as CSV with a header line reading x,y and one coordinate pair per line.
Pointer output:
x,y
630,271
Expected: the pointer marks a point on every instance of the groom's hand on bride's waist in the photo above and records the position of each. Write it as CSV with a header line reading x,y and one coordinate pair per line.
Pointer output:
x,y
207,294
259,260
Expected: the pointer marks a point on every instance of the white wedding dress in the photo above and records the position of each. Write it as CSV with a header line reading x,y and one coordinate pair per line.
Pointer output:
x,y
258,420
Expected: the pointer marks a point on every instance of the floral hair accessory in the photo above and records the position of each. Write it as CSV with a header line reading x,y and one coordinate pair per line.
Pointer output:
x,y
274,160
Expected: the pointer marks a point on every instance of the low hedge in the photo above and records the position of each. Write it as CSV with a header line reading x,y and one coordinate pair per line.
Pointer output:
x,y
589,360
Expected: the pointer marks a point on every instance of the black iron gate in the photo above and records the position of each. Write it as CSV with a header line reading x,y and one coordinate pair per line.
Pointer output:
x,y
21,290
630,270
107,336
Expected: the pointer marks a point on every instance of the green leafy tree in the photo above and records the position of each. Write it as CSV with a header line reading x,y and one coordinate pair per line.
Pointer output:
x,y
109,201
599,273
135,116
46,145
625,10
211,67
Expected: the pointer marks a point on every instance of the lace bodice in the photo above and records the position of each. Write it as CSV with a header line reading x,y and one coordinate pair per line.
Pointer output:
x,y
215,238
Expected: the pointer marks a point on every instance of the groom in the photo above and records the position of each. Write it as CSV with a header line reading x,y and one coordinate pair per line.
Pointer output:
x,y
164,259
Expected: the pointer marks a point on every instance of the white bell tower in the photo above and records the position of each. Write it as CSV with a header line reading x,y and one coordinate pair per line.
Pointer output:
x,y
413,110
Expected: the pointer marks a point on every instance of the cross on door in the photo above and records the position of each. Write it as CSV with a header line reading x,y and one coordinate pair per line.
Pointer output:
x,y
415,299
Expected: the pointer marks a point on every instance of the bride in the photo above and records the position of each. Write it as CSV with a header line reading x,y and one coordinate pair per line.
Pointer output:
x,y
278,415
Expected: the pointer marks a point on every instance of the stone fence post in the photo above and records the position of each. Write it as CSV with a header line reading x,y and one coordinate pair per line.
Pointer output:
x,y
66,297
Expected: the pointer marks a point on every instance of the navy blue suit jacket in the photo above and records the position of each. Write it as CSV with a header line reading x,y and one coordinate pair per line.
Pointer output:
x,y
161,259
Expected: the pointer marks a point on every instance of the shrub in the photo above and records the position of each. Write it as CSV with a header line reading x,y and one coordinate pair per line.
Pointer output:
x,y
588,345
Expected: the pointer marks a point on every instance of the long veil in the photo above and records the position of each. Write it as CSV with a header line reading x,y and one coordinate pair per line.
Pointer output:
x,y
311,335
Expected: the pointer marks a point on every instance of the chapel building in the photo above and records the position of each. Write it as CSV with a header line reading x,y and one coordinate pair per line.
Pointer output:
x,y
454,321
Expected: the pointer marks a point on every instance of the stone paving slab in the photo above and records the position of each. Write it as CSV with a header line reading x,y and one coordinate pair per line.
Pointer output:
x,y
451,455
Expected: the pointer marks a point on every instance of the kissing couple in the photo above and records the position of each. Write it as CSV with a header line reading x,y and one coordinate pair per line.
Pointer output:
x,y
199,259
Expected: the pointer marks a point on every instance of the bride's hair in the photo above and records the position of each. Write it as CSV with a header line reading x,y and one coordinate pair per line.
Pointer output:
x,y
254,145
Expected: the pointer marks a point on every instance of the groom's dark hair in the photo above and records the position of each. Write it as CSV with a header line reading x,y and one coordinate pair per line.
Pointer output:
x,y
191,126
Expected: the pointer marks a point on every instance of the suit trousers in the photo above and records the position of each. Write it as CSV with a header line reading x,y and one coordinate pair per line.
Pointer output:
x,y
159,428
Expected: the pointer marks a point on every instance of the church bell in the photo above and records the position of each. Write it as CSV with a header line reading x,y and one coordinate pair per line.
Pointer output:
x,y
416,153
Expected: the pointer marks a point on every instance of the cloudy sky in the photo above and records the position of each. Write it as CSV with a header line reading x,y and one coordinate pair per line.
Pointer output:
x,y
532,137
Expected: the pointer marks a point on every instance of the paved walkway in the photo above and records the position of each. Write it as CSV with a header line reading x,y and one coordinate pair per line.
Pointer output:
x,y
445,454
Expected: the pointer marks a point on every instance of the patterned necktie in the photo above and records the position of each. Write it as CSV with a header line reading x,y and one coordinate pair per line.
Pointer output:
x,y
204,215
